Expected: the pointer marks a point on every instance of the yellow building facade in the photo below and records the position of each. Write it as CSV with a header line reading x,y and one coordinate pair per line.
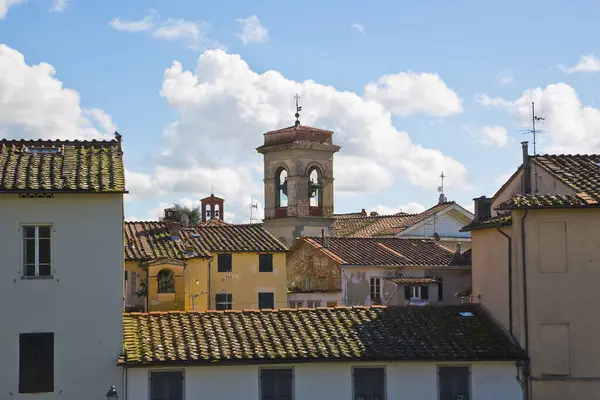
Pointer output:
x,y
212,266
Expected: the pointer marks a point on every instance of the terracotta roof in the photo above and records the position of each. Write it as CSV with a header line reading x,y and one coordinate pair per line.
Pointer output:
x,y
389,252
146,241
580,172
298,128
239,238
352,225
61,166
214,222
413,280
548,201
449,333
494,222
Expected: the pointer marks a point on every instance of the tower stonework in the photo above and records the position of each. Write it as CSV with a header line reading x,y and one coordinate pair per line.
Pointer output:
x,y
212,208
298,182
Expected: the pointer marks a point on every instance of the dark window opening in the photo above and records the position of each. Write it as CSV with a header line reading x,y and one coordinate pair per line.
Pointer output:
x,y
266,300
265,263
223,301
166,281
281,180
454,383
166,385
224,263
369,384
36,362
276,384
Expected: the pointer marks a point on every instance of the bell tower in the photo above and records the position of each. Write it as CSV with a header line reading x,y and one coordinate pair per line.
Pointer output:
x,y
298,181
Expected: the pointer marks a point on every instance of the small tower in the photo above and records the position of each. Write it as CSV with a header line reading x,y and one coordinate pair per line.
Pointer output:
x,y
212,208
298,181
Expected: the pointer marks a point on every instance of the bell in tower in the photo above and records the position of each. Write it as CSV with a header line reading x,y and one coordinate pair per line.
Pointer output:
x,y
298,181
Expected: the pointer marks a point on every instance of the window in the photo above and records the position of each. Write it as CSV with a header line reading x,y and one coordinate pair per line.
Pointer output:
x,y
281,199
313,303
454,383
266,300
375,289
133,283
296,304
276,384
440,291
36,362
166,385
36,251
224,263
416,292
369,384
265,263
223,301
166,281
307,283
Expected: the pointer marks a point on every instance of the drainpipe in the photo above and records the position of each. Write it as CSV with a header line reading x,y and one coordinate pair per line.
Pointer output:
x,y
208,290
525,314
510,292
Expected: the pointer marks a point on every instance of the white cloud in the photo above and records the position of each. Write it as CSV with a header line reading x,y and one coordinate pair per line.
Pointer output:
x,y
359,28
495,102
6,4
34,104
252,30
144,24
409,208
490,136
192,32
501,179
232,106
59,5
505,78
587,63
569,126
408,93
469,207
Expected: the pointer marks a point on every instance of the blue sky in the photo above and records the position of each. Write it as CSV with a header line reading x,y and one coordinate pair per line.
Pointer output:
x,y
456,77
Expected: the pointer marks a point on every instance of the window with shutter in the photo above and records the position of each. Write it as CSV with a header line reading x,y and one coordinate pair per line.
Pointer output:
x,y
166,385
223,301
369,383
266,300
276,384
425,292
407,292
454,383
224,263
440,291
36,362
265,263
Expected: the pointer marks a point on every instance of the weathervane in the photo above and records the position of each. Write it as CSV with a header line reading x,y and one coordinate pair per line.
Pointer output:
x,y
298,109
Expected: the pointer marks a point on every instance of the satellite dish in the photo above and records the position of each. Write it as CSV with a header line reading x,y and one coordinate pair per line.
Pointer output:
x,y
185,220
436,237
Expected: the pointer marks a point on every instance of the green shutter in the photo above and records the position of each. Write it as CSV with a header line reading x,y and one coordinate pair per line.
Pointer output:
x,y
425,292
407,292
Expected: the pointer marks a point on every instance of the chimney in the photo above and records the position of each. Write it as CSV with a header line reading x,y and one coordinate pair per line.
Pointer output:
x,y
363,212
459,248
323,235
483,208
526,180
172,224
374,213
326,242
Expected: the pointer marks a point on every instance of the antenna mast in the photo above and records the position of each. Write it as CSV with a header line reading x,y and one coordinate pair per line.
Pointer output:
x,y
252,206
534,132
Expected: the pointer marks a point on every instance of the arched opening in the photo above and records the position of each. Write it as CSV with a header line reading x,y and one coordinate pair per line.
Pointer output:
x,y
207,211
281,199
166,281
315,188
217,211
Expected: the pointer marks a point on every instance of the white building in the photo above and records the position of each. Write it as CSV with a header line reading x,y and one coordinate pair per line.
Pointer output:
x,y
325,353
61,240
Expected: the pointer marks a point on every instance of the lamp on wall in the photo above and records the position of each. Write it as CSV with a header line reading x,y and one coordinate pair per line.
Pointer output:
x,y
112,394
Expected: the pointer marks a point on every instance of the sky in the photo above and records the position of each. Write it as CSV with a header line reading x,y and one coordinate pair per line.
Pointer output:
x,y
409,88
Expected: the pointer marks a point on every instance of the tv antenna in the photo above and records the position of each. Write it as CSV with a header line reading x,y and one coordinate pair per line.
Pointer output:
x,y
298,109
251,206
534,132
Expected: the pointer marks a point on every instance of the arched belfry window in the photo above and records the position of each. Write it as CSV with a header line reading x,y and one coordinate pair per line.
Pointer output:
x,y
207,212
315,188
217,211
281,199
166,281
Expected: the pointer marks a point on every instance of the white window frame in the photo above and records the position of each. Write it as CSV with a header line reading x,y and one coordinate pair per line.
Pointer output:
x,y
296,304
37,250
375,283
313,303
415,292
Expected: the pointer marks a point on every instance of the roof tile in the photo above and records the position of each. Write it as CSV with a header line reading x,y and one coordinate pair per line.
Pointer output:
x,y
548,201
61,166
322,334
493,222
239,238
580,172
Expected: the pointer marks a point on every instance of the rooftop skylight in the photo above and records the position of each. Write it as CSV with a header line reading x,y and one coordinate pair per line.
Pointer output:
x,y
466,314
42,150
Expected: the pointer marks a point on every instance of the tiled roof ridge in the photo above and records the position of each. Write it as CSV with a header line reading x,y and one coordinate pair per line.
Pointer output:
x,y
548,201
378,216
298,128
565,155
231,224
67,142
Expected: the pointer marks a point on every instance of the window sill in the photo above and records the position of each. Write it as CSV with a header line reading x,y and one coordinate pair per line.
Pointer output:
x,y
33,278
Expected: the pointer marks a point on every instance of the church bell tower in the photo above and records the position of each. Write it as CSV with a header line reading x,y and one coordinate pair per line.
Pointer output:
x,y
298,181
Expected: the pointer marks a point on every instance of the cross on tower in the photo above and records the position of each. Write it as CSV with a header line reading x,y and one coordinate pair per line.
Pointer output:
x,y
298,109
442,187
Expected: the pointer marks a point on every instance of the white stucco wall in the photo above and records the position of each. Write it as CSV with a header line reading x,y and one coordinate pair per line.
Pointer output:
x,y
332,381
444,225
324,297
82,304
